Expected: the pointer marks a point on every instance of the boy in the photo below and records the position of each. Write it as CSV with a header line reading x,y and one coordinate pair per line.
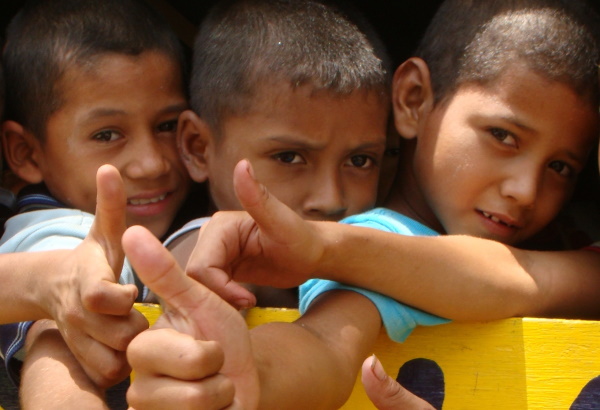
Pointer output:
x,y
321,121
107,83
312,119
486,159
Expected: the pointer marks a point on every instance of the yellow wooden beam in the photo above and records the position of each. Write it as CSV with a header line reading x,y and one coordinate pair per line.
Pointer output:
x,y
519,363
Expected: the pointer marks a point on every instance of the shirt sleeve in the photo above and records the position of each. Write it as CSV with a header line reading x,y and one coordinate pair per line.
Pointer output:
x,y
12,341
399,319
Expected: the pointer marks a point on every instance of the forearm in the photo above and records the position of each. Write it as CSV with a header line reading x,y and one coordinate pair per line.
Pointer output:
x,y
320,353
52,377
24,282
462,277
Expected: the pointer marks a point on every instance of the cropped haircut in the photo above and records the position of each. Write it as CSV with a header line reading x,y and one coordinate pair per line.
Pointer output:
x,y
244,44
47,37
474,41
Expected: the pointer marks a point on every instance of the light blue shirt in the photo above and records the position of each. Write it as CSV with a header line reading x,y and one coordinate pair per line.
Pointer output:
x,y
398,319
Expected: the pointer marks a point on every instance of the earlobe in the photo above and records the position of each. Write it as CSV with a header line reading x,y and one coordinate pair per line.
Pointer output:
x,y
412,96
21,149
193,137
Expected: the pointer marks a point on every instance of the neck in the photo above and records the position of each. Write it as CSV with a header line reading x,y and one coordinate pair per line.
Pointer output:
x,y
406,196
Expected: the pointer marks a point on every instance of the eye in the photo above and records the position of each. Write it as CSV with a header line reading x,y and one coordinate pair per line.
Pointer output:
x,y
361,161
504,136
168,126
289,157
561,168
107,136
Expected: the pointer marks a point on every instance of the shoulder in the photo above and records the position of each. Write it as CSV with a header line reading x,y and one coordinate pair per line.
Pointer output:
x,y
391,221
45,230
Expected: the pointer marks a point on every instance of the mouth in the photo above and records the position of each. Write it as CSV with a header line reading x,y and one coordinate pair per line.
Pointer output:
x,y
146,201
497,220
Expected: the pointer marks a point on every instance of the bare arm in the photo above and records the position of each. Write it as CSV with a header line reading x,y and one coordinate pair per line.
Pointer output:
x,y
272,366
51,377
458,277
93,313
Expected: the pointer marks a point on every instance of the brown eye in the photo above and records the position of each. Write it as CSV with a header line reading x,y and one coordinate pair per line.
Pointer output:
x,y
169,126
106,136
361,161
288,157
561,168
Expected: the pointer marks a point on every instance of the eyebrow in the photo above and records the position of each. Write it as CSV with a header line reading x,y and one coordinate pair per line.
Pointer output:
x,y
301,144
111,112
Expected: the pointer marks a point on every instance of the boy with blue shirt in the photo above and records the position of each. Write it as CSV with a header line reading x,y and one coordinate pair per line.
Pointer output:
x,y
484,157
300,123
88,83
312,119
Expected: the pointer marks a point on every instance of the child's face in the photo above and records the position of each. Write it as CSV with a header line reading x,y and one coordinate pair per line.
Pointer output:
x,y
318,153
499,161
122,112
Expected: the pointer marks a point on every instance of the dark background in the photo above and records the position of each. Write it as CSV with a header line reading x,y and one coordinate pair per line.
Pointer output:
x,y
400,23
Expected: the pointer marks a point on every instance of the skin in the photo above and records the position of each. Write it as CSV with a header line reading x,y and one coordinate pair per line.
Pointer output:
x,y
234,246
294,138
122,111
522,140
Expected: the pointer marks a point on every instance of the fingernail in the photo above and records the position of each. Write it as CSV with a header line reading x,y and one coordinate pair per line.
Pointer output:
x,y
377,368
249,169
243,304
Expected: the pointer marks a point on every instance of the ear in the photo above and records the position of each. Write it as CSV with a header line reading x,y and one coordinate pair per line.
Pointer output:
x,y
21,151
412,96
193,137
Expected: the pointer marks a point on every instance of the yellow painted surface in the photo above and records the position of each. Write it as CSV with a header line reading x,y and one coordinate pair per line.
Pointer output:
x,y
507,364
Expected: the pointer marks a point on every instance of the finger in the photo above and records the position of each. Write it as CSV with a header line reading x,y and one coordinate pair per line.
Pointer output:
x,y
385,392
103,365
159,271
169,353
108,298
116,332
212,256
109,223
153,392
268,212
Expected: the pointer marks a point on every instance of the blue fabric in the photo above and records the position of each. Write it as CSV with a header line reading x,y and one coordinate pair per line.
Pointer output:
x,y
398,319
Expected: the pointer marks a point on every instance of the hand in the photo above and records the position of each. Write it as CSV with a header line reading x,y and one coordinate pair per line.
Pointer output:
x,y
268,245
198,351
385,392
93,312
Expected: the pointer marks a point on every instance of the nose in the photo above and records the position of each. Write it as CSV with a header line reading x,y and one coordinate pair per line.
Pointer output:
x,y
325,199
147,159
522,185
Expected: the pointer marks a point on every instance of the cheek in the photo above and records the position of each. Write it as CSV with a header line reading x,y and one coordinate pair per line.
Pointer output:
x,y
361,195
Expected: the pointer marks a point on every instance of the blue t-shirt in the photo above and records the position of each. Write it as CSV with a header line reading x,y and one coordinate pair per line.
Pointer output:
x,y
398,319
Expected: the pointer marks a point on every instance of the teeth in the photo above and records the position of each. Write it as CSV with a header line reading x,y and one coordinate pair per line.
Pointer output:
x,y
493,218
147,201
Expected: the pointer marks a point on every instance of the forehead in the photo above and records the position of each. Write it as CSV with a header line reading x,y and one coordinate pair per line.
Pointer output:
x,y
114,84
113,76
280,104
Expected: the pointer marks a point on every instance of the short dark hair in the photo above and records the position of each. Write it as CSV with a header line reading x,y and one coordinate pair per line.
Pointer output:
x,y
1,94
244,43
473,41
47,37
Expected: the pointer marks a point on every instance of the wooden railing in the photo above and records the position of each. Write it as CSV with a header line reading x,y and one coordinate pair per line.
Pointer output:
x,y
519,363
